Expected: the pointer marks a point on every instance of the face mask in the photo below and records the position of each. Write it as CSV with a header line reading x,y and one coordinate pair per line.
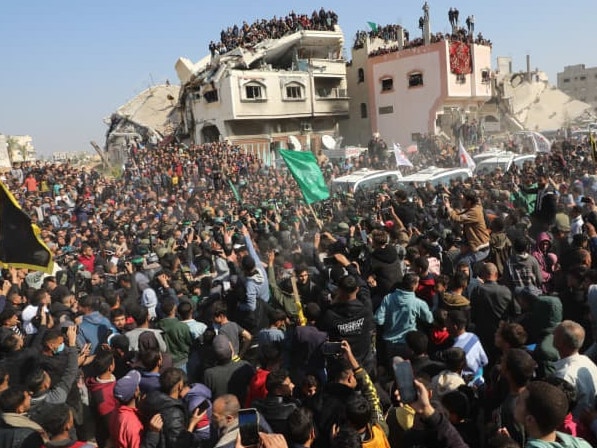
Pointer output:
x,y
59,349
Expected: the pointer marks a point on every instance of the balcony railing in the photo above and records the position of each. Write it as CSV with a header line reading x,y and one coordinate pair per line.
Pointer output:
x,y
333,93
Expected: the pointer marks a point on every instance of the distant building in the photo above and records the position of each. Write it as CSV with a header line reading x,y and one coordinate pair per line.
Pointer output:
x,y
404,89
281,93
525,100
21,149
580,83
60,157
4,157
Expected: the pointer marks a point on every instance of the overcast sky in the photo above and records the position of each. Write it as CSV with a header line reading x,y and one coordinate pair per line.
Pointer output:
x,y
66,64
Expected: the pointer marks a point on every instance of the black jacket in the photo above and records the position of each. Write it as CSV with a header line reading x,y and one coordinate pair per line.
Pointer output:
x,y
491,303
353,321
174,433
385,266
276,411
329,408
406,211
19,437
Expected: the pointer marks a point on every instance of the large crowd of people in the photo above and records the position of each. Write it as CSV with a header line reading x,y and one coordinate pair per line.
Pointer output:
x,y
247,36
196,301
389,34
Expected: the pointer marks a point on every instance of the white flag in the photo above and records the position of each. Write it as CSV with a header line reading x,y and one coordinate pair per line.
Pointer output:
x,y
401,159
465,158
542,144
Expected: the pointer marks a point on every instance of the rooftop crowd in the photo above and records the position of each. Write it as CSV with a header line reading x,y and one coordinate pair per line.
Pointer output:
x,y
247,36
178,300
389,34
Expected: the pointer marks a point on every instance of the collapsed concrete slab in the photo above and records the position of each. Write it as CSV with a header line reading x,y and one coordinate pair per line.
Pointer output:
x,y
145,119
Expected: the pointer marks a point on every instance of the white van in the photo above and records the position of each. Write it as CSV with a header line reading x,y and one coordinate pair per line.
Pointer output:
x,y
435,176
504,162
365,179
489,154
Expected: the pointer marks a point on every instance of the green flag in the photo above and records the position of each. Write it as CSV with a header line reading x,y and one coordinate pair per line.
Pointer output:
x,y
306,172
234,191
373,26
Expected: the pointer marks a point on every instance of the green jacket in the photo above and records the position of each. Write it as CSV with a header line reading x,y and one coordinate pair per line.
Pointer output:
x,y
282,300
178,338
523,198
546,314
563,441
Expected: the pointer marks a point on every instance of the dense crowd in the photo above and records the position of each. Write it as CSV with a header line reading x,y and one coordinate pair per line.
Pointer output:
x,y
389,34
247,36
198,285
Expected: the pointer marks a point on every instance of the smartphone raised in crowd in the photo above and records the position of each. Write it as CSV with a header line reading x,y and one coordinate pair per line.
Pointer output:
x,y
405,382
202,407
248,427
331,348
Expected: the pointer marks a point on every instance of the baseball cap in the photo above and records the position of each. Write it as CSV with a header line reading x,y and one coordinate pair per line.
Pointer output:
x,y
125,387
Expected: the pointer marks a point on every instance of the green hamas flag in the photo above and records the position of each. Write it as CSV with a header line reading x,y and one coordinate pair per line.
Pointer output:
x,y
234,191
373,26
20,245
306,172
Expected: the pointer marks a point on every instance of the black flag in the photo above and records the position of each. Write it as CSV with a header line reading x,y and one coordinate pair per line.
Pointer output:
x,y
20,245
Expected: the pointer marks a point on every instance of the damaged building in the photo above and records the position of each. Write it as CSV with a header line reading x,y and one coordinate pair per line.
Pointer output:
x,y
148,118
405,86
525,100
281,93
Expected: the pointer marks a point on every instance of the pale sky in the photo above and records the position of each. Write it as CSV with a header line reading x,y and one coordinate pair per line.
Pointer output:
x,y
67,64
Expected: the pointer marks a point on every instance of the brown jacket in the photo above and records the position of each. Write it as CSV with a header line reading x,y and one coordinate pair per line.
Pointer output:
x,y
473,221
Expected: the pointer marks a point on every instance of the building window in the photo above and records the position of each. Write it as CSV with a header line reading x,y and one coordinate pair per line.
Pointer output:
x,y
211,96
253,92
363,110
386,110
387,84
583,78
294,92
415,79
461,79
361,75
485,76
566,80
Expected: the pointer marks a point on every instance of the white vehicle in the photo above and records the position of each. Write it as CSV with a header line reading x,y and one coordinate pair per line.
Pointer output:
x,y
489,154
435,176
504,162
365,179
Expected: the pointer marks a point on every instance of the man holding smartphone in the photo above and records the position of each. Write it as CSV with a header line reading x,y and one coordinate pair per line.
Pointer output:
x,y
346,379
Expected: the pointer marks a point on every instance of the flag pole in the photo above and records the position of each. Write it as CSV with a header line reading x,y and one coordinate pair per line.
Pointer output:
x,y
319,224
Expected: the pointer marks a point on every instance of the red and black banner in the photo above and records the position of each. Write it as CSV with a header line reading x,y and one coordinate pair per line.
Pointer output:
x,y
460,58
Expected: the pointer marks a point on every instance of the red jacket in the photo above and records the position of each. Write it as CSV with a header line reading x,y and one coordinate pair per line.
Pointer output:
x,y
257,390
102,395
126,428
87,262
426,289
103,405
